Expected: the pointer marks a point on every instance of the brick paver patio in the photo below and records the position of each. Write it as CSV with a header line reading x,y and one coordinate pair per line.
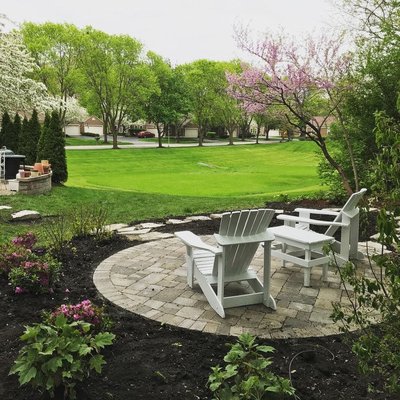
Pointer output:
x,y
150,280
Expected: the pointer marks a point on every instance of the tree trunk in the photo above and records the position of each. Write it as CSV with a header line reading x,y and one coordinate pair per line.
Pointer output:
x,y
334,164
159,132
105,128
258,133
230,132
201,136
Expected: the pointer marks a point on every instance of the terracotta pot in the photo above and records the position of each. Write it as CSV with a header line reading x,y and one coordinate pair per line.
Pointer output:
x,y
38,167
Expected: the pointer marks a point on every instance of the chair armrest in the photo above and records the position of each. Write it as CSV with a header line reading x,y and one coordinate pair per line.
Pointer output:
x,y
291,218
315,211
266,236
192,240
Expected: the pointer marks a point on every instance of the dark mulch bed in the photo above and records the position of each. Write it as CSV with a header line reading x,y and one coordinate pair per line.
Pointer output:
x,y
154,361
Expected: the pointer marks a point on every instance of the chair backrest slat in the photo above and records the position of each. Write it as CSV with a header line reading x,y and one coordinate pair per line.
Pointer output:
x,y
351,205
242,224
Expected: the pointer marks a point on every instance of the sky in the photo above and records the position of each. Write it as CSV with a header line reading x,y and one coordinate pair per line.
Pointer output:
x,y
181,30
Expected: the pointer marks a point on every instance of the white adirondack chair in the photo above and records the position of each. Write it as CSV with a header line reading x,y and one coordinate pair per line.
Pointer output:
x,y
240,235
303,247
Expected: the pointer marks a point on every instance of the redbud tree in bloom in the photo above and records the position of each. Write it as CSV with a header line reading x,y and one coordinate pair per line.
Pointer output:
x,y
304,80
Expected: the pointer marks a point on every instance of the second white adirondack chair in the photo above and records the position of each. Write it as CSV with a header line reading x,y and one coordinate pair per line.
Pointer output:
x,y
304,247
213,267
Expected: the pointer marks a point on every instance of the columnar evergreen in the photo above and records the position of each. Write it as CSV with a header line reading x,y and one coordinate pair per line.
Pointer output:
x,y
13,139
41,146
54,149
6,127
23,146
33,138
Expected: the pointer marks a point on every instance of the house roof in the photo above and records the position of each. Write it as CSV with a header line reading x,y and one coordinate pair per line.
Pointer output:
x,y
93,121
322,121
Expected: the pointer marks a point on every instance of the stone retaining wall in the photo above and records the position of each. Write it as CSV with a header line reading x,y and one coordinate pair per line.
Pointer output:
x,y
34,185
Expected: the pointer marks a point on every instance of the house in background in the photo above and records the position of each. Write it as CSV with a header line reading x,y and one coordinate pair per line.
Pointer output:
x,y
92,125
73,128
323,123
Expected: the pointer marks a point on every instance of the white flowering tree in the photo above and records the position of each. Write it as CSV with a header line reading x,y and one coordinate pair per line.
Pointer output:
x,y
18,92
74,111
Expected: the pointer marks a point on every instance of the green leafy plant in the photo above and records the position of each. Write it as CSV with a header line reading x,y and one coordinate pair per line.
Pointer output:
x,y
374,300
84,311
59,355
35,275
90,219
246,375
57,233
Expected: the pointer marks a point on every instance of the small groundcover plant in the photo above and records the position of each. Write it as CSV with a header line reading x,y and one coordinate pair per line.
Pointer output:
x,y
26,270
246,375
61,351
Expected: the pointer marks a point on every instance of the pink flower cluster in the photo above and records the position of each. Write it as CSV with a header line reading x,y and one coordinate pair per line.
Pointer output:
x,y
84,311
27,240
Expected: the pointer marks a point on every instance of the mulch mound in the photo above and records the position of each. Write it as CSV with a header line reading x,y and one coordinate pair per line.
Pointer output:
x,y
154,361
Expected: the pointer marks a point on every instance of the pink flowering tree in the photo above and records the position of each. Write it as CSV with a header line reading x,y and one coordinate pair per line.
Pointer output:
x,y
304,81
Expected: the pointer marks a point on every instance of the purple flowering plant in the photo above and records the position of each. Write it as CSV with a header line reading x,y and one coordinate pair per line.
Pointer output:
x,y
28,272
84,311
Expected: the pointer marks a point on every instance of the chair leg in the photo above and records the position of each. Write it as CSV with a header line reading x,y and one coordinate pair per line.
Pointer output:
x,y
307,270
284,247
325,272
307,276
189,266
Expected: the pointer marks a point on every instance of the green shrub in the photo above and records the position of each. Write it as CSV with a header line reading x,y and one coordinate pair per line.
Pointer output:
x,y
90,219
211,135
59,355
26,270
57,233
374,301
35,275
246,375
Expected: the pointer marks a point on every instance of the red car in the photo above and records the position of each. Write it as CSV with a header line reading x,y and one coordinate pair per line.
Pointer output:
x,y
145,134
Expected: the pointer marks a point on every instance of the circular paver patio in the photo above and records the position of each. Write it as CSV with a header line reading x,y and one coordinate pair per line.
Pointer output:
x,y
150,280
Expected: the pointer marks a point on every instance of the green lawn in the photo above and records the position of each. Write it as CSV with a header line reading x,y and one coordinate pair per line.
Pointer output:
x,y
139,184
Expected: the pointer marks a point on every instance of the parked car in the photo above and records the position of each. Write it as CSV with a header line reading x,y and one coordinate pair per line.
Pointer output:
x,y
145,134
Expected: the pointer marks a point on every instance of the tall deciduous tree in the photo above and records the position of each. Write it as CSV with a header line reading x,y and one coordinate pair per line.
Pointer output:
x,y
54,49
170,102
301,78
115,76
206,84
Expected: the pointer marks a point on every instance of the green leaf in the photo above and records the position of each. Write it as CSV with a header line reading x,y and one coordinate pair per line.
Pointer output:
x,y
266,349
103,339
84,349
53,364
96,362
25,377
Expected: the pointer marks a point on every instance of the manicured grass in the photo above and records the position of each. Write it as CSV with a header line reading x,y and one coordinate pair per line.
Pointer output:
x,y
140,184
73,141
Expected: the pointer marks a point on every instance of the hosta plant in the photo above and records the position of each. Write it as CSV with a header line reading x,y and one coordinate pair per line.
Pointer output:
x,y
59,355
246,375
